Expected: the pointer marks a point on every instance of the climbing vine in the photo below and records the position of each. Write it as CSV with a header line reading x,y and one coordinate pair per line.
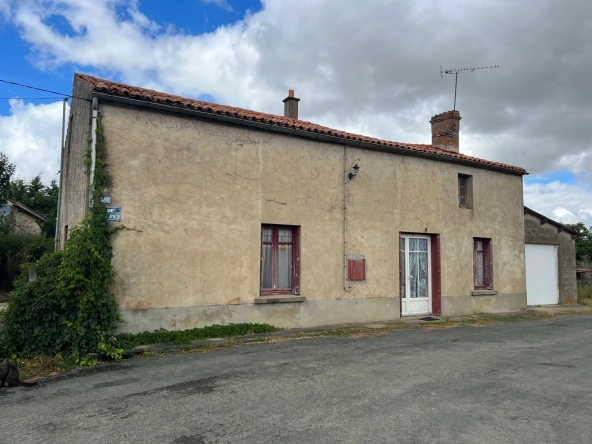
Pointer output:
x,y
69,308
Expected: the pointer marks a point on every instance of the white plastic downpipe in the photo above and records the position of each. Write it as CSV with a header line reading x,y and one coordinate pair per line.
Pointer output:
x,y
93,147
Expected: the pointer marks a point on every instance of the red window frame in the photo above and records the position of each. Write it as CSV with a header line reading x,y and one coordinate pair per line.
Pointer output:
x,y
487,263
295,271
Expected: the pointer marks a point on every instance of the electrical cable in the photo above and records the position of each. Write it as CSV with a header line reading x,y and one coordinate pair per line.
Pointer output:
x,y
31,98
44,90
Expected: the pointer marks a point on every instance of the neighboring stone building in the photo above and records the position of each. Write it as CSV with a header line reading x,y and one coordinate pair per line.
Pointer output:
x,y
23,219
550,260
252,217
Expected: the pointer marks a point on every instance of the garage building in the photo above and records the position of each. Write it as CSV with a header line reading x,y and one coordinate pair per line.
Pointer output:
x,y
550,261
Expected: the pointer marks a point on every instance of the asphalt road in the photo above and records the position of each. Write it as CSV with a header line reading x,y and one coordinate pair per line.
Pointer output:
x,y
527,382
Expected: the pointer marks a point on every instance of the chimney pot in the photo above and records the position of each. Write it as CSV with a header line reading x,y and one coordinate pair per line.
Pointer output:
x,y
291,105
445,130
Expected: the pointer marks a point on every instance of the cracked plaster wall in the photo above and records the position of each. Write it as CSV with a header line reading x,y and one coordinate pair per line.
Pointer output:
x,y
74,198
200,190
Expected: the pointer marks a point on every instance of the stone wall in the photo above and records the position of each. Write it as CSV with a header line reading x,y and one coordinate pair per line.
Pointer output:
x,y
74,198
23,222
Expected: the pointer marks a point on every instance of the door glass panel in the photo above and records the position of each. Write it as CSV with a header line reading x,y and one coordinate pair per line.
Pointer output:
x,y
422,275
418,268
413,272
422,245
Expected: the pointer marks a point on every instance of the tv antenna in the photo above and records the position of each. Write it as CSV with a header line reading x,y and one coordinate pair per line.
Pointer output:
x,y
457,71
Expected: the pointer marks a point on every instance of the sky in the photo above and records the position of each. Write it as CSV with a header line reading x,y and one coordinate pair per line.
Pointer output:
x,y
369,67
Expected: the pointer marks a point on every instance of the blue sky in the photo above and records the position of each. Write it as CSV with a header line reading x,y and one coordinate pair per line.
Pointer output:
x,y
190,16
367,67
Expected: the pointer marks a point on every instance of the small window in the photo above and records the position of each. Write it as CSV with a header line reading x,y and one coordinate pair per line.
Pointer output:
x,y
465,191
280,260
483,264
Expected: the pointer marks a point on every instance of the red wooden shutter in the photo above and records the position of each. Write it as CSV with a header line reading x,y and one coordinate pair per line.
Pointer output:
x,y
356,269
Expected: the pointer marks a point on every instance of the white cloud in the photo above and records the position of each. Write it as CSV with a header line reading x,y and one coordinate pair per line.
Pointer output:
x,y
372,68
30,136
223,4
566,203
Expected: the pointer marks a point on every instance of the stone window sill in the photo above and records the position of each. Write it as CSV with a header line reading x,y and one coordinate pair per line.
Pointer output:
x,y
278,299
484,292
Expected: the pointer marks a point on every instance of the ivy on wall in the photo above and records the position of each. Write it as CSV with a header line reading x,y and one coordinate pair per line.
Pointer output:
x,y
69,308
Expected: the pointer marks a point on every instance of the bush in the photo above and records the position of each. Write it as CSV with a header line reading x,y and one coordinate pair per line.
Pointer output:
x,y
69,308
16,250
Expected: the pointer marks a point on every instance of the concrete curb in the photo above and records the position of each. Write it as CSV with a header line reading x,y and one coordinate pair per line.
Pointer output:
x,y
412,320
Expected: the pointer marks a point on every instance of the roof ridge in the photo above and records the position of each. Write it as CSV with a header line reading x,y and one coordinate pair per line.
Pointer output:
x,y
27,209
145,94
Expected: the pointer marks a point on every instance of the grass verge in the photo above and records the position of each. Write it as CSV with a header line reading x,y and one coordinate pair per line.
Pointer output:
x,y
183,337
35,368
31,369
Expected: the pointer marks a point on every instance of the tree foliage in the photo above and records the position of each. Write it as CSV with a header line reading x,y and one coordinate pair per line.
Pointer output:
x,y
6,172
584,241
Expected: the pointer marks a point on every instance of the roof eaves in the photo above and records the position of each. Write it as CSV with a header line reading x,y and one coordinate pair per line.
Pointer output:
x,y
27,210
544,218
113,91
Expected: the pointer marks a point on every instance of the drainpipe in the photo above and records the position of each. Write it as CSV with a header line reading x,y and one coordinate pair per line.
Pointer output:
x,y
346,286
60,189
93,147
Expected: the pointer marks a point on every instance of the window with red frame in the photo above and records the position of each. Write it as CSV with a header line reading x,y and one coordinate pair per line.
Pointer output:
x,y
280,260
482,264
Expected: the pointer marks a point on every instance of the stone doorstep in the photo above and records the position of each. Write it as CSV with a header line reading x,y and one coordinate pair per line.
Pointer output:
x,y
575,309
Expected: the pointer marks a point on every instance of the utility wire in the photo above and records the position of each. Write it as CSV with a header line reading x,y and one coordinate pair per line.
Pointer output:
x,y
44,90
30,98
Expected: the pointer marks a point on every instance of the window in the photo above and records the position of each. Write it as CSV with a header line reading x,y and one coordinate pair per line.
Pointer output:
x,y
465,191
483,264
280,260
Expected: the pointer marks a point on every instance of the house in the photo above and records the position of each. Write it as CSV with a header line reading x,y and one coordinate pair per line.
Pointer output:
x,y
252,217
22,219
550,260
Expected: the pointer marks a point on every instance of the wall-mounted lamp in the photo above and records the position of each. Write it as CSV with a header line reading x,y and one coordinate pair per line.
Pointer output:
x,y
353,174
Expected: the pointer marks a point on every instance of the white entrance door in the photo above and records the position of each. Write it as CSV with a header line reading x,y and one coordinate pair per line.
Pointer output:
x,y
416,277
541,275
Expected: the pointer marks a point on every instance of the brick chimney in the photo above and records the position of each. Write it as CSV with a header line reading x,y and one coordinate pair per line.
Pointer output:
x,y
291,105
445,130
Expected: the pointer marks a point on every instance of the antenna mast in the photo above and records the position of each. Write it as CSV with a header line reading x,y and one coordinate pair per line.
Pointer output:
x,y
457,71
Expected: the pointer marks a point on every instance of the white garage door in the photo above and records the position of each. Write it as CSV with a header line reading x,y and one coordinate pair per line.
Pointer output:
x,y
541,274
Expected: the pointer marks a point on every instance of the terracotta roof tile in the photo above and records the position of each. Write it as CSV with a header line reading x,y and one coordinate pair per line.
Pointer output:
x,y
123,90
